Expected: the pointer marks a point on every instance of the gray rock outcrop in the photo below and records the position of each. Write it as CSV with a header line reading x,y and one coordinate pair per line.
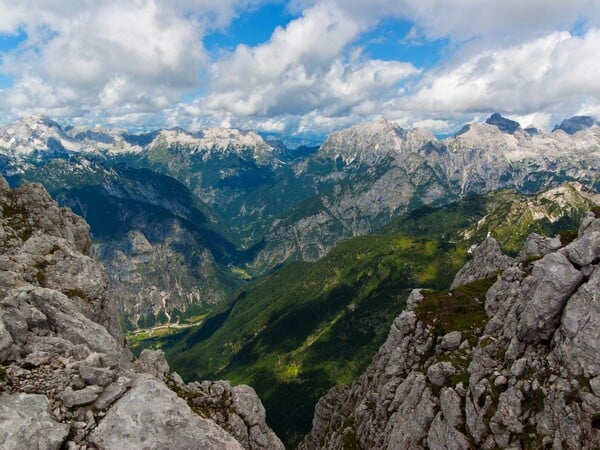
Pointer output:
x,y
487,261
161,420
527,374
66,378
26,422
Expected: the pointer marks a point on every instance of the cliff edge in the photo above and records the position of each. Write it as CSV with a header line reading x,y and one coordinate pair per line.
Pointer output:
x,y
66,378
510,360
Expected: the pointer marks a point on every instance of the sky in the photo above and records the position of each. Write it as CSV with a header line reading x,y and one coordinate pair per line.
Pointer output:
x,y
299,68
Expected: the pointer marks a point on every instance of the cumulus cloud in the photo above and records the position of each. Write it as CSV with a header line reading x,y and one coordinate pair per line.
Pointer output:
x,y
468,19
514,61
117,57
307,69
555,73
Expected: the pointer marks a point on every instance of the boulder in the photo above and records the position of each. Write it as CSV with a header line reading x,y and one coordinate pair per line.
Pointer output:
x,y
80,397
112,392
545,293
487,261
26,423
151,416
451,341
586,250
537,246
578,336
100,376
152,362
437,373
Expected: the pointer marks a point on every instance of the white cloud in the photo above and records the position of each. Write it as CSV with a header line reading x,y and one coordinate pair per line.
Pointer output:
x,y
310,75
94,57
306,67
552,74
468,19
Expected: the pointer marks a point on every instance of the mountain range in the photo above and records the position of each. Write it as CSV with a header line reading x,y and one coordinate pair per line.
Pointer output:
x,y
221,206
284,268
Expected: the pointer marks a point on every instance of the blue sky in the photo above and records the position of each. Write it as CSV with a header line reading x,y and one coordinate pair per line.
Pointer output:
x,y
305,67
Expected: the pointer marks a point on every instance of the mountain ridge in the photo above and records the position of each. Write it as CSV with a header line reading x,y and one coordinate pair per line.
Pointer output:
x,y
505,359
66,377
274,206
291,334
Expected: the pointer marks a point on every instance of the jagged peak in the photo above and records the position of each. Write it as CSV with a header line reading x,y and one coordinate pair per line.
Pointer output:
x,y
575,124
375,127
215,140
525,351
369,141
35,120
73,361
502,123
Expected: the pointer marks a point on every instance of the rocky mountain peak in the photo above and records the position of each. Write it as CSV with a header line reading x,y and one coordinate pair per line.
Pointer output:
x,y
63,363
214,139
576,123
369,142
508,361
38,120
29,134
503,124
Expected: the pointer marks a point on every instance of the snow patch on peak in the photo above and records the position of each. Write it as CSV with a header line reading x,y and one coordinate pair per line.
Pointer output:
x,y
41,134
217,140
366,142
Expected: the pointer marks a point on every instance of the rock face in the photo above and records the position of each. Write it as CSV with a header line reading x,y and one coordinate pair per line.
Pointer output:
x,y
487,261
66,378
526,375
503,124
576,123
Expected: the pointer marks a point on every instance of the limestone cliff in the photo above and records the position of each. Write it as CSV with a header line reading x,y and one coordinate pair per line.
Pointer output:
x,y
511,361
66,378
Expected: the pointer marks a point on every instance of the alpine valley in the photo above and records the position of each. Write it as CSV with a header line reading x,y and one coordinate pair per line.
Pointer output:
x,y
284,269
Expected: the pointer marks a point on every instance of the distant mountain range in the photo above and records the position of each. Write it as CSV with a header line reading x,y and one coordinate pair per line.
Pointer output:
x,y
220,206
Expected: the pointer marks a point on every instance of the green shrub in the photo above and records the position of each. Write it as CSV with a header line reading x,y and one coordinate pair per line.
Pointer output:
x,y
461,309
566,237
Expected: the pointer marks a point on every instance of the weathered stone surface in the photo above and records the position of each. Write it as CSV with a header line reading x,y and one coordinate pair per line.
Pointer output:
x,y
415,400
451,407
238,410
112,392
437,373
589,224
414,298
59,335
487,261
578,337
26,423
545,294
100,376
533,375
442,436
5,340
537,246
153,362
585,250
451,341
151,416
83,396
